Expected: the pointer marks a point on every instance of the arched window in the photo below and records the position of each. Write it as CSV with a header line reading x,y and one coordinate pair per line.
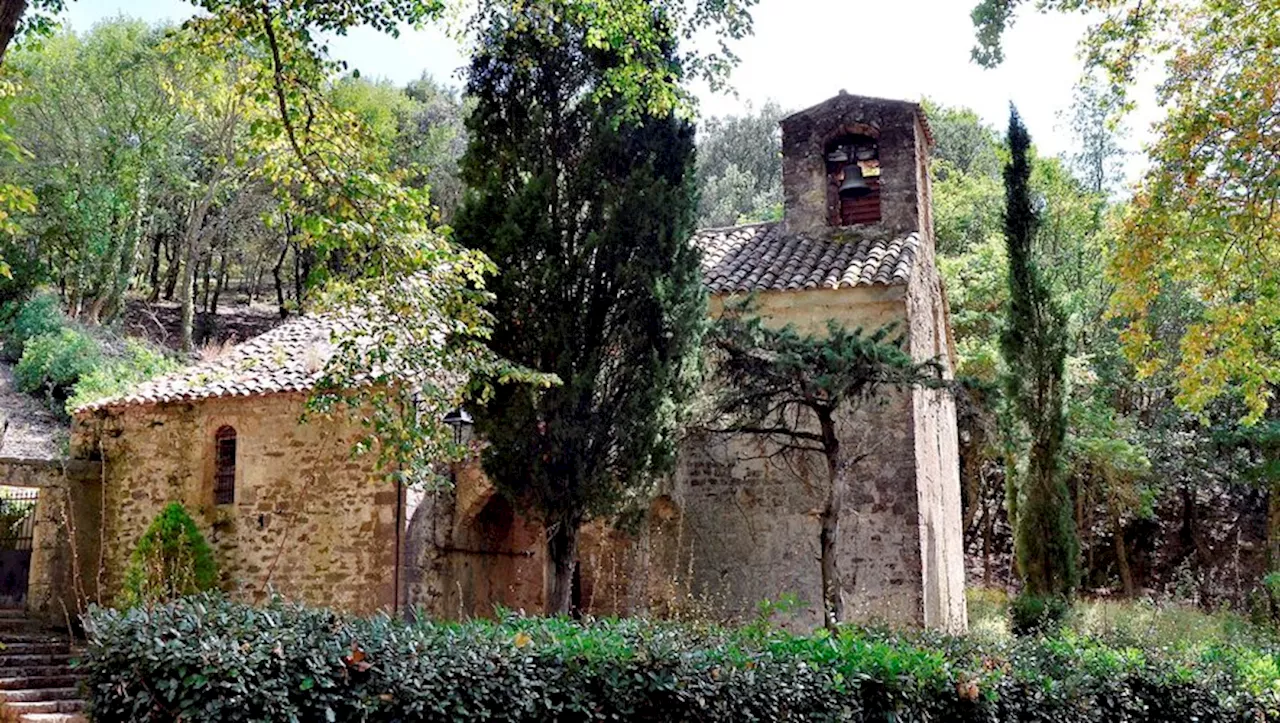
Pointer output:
x,y
853,180
224,466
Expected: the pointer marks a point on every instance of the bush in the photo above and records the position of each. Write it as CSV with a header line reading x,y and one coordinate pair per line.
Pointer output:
x,y
1033,615
172,559
39,315
139,363
55,361
203,659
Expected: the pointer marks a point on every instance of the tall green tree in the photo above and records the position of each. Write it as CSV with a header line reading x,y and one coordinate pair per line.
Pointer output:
x,y
1204,218
586,206
1033,343
740,167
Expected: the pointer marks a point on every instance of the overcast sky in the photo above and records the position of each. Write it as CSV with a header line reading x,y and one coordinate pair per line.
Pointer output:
x,y
803,52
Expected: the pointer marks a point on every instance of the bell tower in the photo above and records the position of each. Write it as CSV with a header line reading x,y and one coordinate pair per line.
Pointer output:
x,y
856,165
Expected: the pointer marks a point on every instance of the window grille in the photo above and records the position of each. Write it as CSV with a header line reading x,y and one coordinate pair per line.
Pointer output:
x,y
224,471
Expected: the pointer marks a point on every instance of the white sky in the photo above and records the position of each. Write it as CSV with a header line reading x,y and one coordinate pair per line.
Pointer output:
x,y
803,52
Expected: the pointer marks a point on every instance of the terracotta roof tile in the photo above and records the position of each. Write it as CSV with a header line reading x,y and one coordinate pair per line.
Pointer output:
x,y
289,358
760,257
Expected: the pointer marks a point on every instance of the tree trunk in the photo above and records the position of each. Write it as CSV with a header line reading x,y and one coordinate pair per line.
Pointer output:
x,y
195,222
128,256
219,285
206,275
829,534
255,276
174,254
275,272
186,292
1273,528
306,262
562,560
10,14
153,274
1122,557
988,532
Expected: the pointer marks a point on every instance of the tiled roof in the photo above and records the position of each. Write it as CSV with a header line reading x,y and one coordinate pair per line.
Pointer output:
x,y
289,358
760,257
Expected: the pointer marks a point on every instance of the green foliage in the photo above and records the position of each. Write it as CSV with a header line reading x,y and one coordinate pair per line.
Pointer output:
x,y
758,366
1037,614
1209,182
1033,345
740,168
52,363
206,660
1172,627
101,138
171,560
35,18
586,206
139,363
26,272
39,315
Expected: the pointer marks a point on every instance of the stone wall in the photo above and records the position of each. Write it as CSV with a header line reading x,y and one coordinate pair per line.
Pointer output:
x,y
748,517
65,535
735,524
934,414
468,550
309,521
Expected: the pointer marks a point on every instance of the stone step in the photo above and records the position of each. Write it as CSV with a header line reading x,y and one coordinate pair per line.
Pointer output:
x,y
22,662
37,695
45,706
52,718
29,682
46,647
30,636
38,671
19,625
9,613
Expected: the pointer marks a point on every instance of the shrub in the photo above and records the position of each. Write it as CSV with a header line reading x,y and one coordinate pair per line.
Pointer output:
x,y
55,361
1034,614
39,315
139,363
203,659
172,559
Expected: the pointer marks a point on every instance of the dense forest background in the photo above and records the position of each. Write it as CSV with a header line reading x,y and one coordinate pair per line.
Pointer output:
x,y
147,176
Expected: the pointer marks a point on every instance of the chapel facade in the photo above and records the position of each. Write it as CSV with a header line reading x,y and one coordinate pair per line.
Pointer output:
x,y
290,511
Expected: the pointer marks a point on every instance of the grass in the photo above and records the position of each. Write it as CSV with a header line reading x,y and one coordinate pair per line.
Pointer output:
x,y
1141,623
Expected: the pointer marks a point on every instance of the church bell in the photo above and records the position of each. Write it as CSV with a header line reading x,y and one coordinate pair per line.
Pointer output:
x,y
854,184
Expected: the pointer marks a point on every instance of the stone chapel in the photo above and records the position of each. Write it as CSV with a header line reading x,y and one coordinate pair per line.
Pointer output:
x,y
288,510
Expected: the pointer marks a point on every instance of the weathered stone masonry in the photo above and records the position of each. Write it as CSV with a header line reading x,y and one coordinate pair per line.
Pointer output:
x,y
308,521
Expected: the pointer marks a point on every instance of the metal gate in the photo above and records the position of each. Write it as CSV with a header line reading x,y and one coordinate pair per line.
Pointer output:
x,y
17,522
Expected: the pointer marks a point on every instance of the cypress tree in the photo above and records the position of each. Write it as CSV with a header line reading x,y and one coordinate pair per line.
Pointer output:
x,y
585,201
1034,345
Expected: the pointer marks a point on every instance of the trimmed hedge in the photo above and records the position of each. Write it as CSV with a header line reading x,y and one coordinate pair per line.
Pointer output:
x,y
203,659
